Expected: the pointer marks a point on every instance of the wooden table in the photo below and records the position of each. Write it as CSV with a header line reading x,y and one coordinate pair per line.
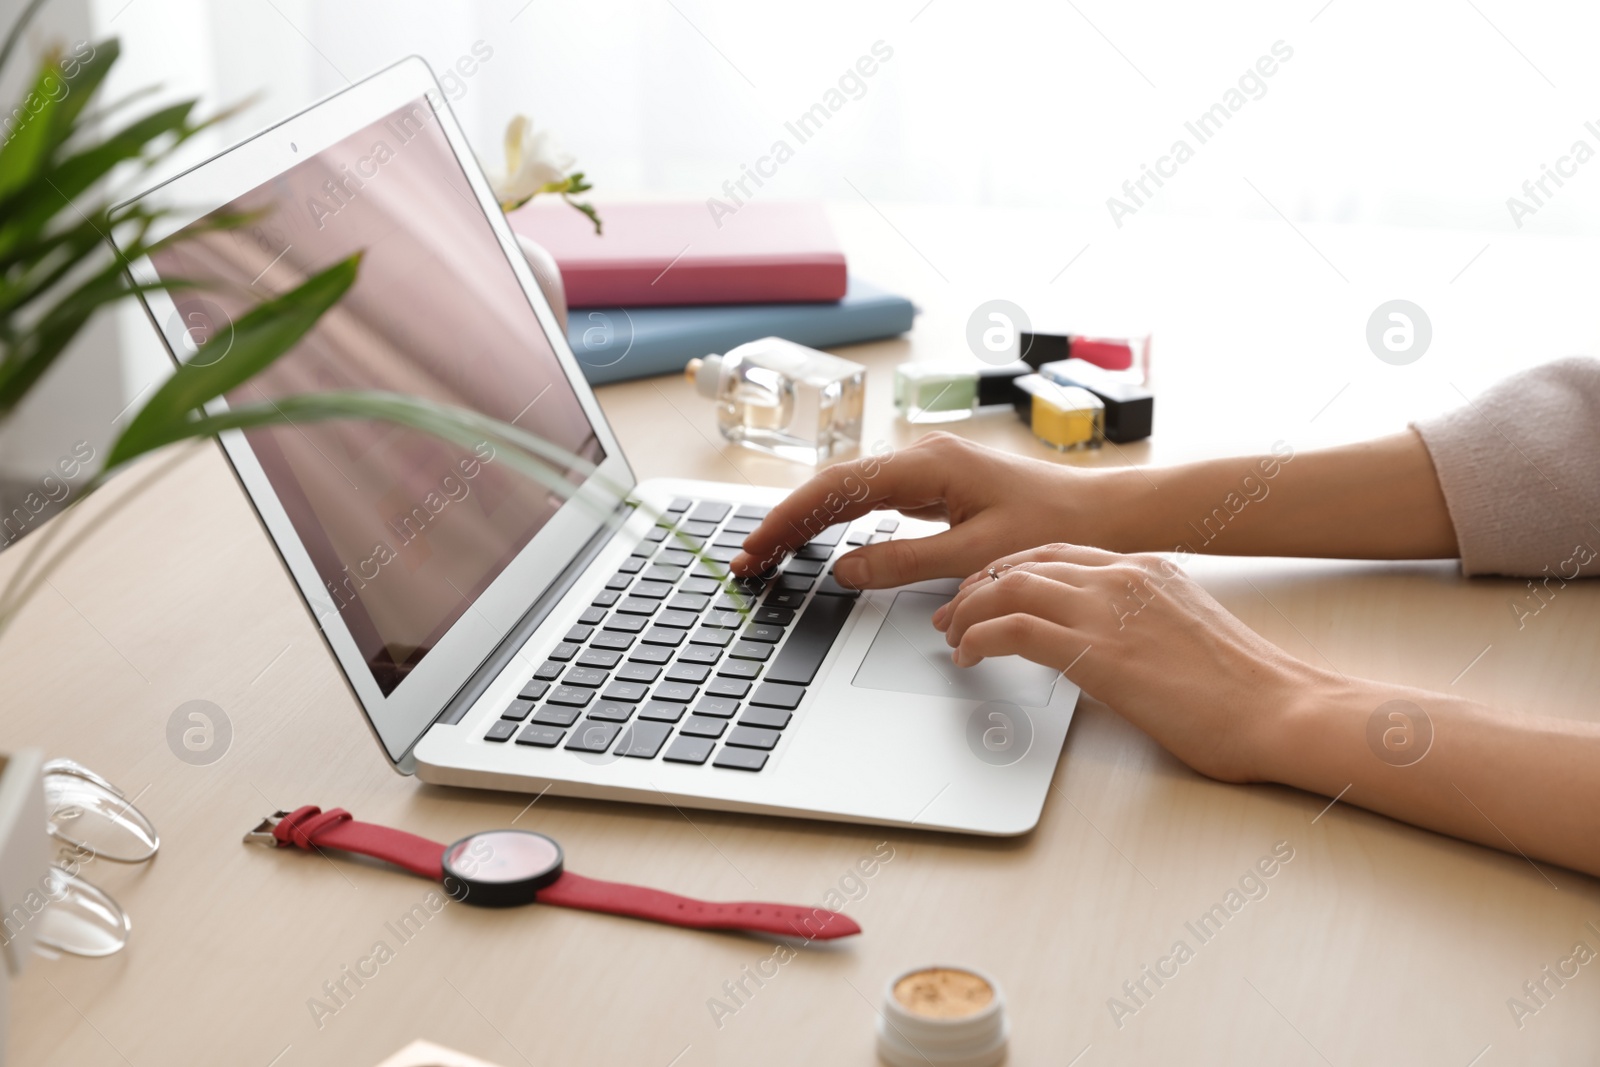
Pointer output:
x,y
1375,943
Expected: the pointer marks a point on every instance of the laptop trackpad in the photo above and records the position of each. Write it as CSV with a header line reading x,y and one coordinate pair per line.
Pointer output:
x,y
909,656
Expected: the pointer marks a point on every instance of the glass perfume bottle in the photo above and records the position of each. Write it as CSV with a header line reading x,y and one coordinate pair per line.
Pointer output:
x,y
784,399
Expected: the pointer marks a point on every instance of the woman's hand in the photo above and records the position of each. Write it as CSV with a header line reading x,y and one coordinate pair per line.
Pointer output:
x,y
1138,634
995,503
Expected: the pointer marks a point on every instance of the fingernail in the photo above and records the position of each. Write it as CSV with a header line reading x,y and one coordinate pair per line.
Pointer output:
x,y
852,571
938,616
741,562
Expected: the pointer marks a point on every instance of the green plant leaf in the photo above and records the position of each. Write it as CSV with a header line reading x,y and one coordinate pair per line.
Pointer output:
x,y
260,336
27,146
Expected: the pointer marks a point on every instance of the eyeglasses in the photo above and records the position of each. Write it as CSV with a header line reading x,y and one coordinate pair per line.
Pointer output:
x,y
97,822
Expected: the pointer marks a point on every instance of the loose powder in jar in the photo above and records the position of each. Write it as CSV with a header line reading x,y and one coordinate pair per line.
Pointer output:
x,y
943,993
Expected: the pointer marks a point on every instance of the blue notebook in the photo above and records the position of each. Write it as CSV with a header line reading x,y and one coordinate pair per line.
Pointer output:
x,y
616,344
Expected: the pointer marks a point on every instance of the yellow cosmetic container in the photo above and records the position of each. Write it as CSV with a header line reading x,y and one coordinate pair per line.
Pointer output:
x,y
1064,417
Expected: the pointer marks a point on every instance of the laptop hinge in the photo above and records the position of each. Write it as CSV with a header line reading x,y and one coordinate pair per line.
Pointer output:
x,y
532,619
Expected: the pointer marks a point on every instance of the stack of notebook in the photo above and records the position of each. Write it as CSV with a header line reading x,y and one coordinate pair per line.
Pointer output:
x,y
668,282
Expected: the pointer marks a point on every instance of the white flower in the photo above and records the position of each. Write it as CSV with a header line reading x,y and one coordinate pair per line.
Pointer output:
x,y
533,161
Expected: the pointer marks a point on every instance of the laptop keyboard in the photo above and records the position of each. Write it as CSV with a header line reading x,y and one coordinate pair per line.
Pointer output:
x,y
664,665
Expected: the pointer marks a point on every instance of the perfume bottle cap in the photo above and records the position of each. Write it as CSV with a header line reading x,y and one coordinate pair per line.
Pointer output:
x,y
704,374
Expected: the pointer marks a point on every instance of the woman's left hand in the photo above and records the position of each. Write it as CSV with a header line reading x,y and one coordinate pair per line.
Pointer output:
x,y
1138,634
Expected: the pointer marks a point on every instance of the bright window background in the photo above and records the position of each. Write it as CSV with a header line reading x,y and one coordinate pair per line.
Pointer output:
x,y
1419,117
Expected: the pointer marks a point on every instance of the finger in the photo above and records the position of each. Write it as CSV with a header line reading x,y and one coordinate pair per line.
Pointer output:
x,y
844,492
1019,635
1017,590
1070,573
1085,555
913,559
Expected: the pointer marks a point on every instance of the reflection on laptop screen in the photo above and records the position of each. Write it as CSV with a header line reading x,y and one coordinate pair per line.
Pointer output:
x,y
405,530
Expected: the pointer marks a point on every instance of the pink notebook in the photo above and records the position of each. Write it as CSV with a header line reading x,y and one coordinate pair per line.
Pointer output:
x,y
675,253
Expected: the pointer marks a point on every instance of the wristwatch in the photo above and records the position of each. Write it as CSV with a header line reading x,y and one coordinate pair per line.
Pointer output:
x,y
506,868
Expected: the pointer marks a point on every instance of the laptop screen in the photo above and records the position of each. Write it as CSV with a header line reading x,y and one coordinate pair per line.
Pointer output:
x,y
405,531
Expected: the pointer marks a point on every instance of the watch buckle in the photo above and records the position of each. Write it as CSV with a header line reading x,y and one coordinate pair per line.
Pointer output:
x,y
262,834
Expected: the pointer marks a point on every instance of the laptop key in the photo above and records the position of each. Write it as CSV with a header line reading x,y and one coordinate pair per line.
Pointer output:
x,y
722,553
644,549
740,526
830,536
593,737
605,599
699,585
678,620
659,573
611,640
753,737
736,688
638,672
637,606
793,583
766,632
656,534
752,511
662,711
707,654
805,568
740,759
697,528
628,624
631,692
809,640
643,740
692,673
813,551
689,749
675,557
502,730
830,587
710,511
729,540
696,602
631,565
784,597
724,620
768,718
711,636
564,652
550,715
579,634
734,602
599,658
679,503
701,726
777,695
775,616
591,616
660,635
739,668
548,671
657,654
651,590
570,696
619,581
682,692
540,736
888,526
717,707
534,690
587,677
611,711
756,650
518,710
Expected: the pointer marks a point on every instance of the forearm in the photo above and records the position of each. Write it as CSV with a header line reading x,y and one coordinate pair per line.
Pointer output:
x,y
1523,785
1374,500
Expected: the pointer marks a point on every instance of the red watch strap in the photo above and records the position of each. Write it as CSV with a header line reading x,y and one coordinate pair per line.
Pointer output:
x,y
591,894
312,828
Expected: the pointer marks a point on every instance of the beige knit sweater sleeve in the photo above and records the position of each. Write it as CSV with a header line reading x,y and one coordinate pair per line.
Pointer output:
x,y
1520,469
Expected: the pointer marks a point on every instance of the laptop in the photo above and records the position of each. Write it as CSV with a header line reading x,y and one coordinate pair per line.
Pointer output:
x,y
574,635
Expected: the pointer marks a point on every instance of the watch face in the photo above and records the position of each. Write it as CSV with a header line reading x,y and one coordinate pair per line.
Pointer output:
x,y
502,867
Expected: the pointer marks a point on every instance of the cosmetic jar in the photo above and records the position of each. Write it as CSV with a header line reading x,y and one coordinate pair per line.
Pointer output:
x,y
1128,357
945,1016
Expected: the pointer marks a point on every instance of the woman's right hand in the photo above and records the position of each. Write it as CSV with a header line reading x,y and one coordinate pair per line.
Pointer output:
x,y
995,503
